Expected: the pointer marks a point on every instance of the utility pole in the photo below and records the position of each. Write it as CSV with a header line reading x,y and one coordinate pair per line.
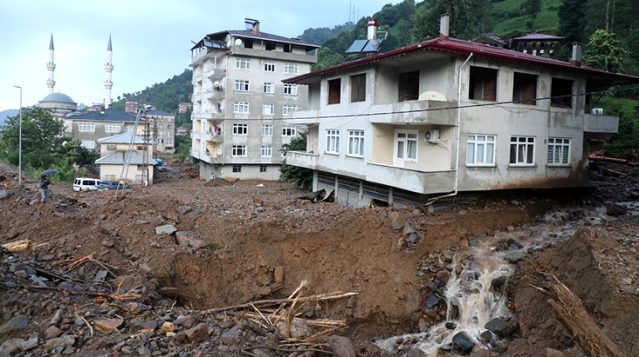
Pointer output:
x,y
20,141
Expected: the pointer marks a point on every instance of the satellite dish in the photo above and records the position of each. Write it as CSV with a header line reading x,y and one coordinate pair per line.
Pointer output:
x,y
217,84
238,42
432,95
229,43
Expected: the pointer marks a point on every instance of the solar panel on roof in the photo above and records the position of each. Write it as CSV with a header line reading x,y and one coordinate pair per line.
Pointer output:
x,y
214,44
372,46
357,46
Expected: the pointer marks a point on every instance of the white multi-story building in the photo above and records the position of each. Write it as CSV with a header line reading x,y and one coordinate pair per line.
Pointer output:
x,y
447,115
239,100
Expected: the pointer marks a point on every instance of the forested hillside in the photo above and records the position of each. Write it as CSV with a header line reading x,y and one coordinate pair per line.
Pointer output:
x,y
165,96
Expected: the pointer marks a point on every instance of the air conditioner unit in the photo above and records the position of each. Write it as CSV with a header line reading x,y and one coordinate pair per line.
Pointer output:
x,y
597,111
217,85
432,136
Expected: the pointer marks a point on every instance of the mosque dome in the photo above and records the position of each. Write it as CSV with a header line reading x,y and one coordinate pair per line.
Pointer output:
x,y
58,98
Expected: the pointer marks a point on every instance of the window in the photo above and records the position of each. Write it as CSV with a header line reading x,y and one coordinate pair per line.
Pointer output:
x,y
88,144
288,48
242,63
406,145
241,86
332,141
240,129
334,91
267,129
239,151
111,128
483,84
240,107
269,87
262,168
525,88
86,128
269,45
561,93
290,68
130,129
358,87
480,150
408,86
288,109
356,143
290,89
266,151
237,168
248,43
522,150
289,130
268,109
558,151
269,66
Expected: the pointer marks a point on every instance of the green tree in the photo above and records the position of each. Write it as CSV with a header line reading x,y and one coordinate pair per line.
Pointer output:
x,y
603,52
300,176
532,9
571,20
468,18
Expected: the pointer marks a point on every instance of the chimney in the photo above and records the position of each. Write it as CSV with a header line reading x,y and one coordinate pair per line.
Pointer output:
x,y
576,54
444,27
372,29
252,24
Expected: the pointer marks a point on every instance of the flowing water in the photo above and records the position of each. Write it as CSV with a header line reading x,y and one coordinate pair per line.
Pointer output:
x,y
471,299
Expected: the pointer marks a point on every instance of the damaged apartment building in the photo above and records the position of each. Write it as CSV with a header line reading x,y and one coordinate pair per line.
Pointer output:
x,y
447,115
239,100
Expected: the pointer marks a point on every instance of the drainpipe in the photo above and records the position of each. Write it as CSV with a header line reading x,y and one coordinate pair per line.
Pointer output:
x,y
459,93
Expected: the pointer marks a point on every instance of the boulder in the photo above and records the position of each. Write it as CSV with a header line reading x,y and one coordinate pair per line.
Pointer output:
x,y
498,284
502,327
463,343
166,229
341,346
514,256
451,325
432,301
397,220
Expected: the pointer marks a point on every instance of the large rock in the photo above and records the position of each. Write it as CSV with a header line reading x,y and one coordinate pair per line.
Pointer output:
x,y
463,343
17,323
397,220
341,346
514,256
166,229
498,284
502,327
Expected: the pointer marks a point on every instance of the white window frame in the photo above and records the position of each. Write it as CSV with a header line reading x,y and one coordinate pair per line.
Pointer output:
x,y
405,136
86,128
269,87
268,109
267,129
289,130
480,147
112,128
241,85
88,144
559,151
287,109
355,143
332,141
243,63
266,151
241,107
269,66
238,151
291,68
525,144
240,129
290,89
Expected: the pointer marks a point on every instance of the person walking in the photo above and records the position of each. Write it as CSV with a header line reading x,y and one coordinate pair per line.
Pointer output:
x,y
44,188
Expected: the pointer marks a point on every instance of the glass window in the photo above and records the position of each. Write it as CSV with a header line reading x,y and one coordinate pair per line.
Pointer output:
x,y
558,151
269,87
288,109
356,143
267,129
332,141
269,66
240,107
334,91
289,130
291,68
239,151
241,85
480,150
240,129
266,151
290,89
522,150
268,109
111,128
242,63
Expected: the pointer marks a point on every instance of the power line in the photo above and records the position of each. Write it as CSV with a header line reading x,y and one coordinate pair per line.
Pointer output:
x,y
478,105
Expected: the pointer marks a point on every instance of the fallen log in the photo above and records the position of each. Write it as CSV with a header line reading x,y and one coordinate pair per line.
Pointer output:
x,y
612,159
320,297
573,315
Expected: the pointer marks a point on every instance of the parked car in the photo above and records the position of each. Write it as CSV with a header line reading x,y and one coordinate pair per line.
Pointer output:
x,y
85,184
159,165
111,185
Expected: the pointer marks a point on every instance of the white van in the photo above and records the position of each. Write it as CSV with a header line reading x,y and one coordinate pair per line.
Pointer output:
x,y
85,184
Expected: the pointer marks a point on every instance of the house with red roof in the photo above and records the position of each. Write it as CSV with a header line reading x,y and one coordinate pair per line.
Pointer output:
x,y
444,115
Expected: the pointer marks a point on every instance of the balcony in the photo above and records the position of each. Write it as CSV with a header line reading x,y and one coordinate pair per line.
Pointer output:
x,y
601,124
302,159
215,74
215,94
283,56
411,180
414,112
216,138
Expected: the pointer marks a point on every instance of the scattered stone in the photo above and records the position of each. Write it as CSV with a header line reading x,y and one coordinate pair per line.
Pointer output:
x,y
480,353
507,244
416,352
554,353
4,194
341,346
463,342
432,301
185,321
514,256
397,220
30,344
260,353
137,307
298,329
167,229
52,332
15,324
451,325
498,284
278,275
443,276
60,342
502,327
187,239
140,324
168,327
184,209
198,333
408,229
108,243
414,238
108,325
627,281
486,336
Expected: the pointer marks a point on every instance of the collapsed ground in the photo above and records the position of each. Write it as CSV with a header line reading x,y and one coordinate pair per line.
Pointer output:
x,y
247,241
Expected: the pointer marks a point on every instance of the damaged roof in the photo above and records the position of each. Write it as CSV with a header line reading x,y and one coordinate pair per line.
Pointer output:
x,y
463,48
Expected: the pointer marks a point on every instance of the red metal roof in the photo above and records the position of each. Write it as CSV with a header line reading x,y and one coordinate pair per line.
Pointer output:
x,y
460,47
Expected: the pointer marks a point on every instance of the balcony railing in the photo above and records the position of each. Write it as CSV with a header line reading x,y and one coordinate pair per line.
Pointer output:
x,y
302,159
411,180
414,112
601,124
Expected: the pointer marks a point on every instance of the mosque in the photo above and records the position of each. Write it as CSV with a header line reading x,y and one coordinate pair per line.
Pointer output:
x,y
61,104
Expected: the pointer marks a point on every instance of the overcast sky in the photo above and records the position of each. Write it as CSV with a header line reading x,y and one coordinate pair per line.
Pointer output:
x,y
151,39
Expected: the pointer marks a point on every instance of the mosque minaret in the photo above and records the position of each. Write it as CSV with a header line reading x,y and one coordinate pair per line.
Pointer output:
x,y
108,69
51,67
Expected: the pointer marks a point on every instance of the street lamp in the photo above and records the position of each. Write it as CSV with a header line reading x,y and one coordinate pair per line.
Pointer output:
x,y
20,142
